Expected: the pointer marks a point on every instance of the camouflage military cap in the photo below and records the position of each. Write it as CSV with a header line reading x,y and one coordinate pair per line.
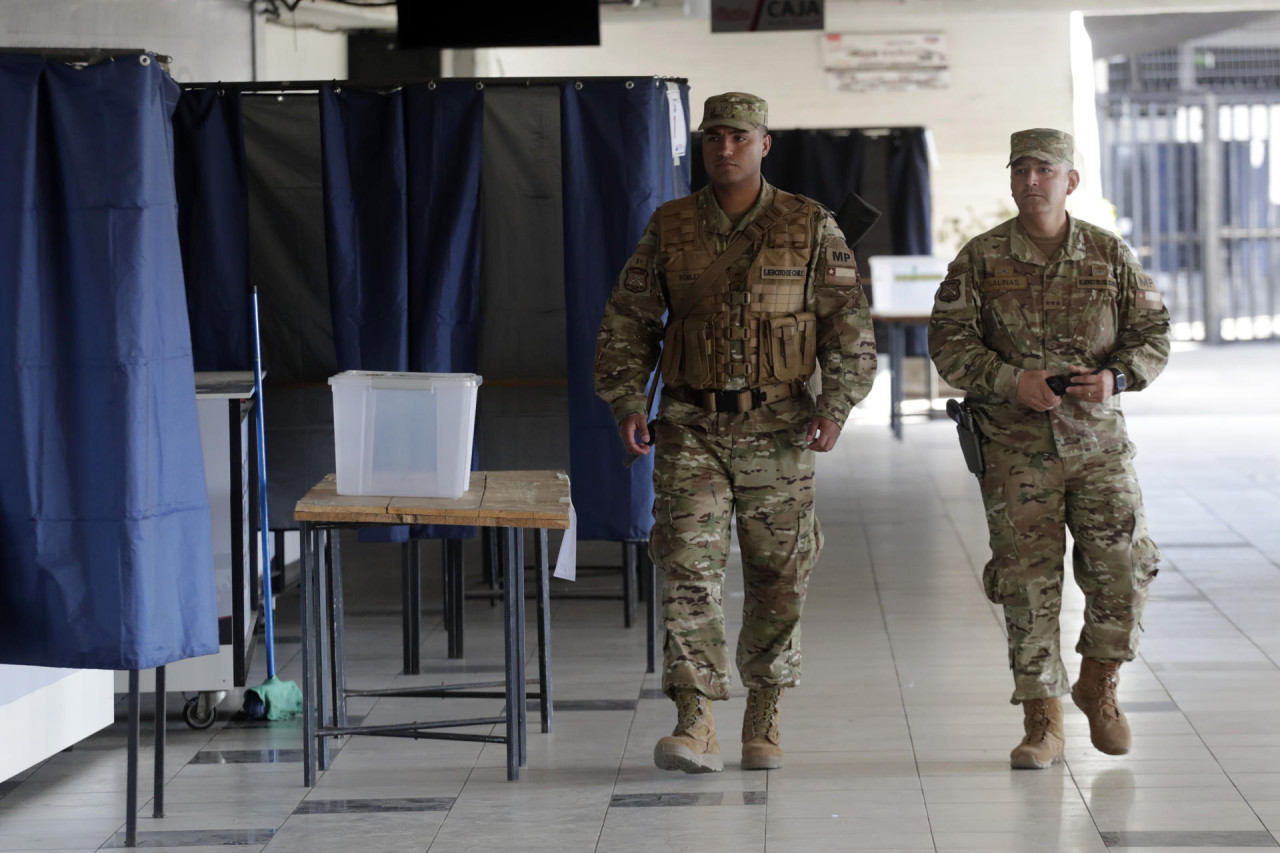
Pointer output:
x,y
1042,143
735,109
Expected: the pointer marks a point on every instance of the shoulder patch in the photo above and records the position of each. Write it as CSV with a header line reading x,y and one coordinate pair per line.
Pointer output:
x,y
839,256
1149,300
840,276
950,295
636,281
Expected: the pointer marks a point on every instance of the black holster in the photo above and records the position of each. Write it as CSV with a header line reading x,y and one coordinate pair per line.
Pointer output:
x,y
970,436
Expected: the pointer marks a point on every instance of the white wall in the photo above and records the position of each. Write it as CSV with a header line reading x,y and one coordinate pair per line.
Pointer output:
x,y
1009,70
207,39
301,53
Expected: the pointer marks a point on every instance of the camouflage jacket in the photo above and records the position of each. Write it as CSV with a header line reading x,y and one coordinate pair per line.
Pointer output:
x,y
1005,308
630,337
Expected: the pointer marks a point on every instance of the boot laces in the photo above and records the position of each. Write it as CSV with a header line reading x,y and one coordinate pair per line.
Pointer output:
x,y
1038,724
689,708
1108,707
764,711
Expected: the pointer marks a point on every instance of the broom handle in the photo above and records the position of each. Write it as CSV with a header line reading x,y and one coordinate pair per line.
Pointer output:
x,y
262,494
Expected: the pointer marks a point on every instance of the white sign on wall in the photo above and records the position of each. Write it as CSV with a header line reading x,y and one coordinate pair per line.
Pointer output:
x,y
885,62
741,16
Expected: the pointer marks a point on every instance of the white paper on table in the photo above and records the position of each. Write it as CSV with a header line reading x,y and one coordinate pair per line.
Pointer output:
x,y
567,559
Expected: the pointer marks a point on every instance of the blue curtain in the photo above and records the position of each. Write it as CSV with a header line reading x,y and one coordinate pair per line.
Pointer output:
x,y
208,148
909,214
104,521
402,222
823,165
617,167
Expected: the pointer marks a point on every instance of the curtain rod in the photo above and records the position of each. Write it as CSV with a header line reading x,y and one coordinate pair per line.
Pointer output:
x,y
302,86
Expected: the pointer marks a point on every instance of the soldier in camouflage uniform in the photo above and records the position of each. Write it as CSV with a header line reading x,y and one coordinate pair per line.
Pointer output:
x,y
762,291
1039,295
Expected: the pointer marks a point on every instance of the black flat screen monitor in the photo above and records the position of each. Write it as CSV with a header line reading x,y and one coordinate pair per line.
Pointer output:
x,y
497,23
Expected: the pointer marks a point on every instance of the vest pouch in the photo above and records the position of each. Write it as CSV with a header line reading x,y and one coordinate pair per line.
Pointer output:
x,y
790,347
686,353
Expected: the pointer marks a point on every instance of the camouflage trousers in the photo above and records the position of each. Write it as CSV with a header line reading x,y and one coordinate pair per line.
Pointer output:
x,y
701,481
1031,500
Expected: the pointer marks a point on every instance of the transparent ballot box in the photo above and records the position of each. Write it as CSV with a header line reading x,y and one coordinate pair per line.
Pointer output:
x,y
403,434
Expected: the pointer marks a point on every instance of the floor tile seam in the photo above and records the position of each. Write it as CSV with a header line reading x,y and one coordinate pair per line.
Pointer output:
x,y
1226,523
613,791
1192,726
902,699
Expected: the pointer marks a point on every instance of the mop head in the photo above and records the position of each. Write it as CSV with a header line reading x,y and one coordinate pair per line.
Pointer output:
x,y
273,700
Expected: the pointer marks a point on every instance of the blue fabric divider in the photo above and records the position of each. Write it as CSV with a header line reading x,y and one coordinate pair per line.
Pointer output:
x,y
617,168
909,177
208,153
909,215
402,222
104,519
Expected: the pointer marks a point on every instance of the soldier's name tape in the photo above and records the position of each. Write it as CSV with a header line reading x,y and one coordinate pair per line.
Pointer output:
x,y
1096,284
1004,283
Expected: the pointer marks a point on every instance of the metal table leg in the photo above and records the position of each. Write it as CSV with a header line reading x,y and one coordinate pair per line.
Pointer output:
x,y
320,607
157,795
514,695
543,581
628,589
411,602
522,656
897,351
493,559
306,535
338,636
131,767
454,595
651,606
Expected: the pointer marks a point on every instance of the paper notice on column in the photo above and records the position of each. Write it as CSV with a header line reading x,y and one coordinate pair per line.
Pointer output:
x,y
567,559
679,129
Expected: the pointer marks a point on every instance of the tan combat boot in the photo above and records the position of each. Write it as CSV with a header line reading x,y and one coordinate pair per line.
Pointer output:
x,y
761,742
1095,694
1044,740
692,747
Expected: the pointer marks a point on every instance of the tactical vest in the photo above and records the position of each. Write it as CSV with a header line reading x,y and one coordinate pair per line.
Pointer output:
x,y
747,328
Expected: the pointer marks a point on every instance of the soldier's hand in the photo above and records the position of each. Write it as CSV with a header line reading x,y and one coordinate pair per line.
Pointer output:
x,y
823,434
1034,393
1091,387
629,428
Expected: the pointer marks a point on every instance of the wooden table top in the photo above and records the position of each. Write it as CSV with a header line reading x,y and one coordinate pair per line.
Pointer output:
x,y
495,499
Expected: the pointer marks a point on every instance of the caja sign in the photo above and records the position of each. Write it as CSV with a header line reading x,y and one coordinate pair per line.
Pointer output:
x,y
740,16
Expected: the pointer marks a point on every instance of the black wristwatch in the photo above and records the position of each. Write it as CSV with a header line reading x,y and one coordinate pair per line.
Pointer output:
x,y
1121,382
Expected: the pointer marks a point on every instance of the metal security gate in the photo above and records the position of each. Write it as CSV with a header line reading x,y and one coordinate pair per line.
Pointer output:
x,y
1195,178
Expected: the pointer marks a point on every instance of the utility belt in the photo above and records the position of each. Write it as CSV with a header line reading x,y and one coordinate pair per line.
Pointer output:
x,y
735,401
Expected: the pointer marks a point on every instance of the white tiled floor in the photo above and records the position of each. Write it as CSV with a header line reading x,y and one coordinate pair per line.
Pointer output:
x,y
898,738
